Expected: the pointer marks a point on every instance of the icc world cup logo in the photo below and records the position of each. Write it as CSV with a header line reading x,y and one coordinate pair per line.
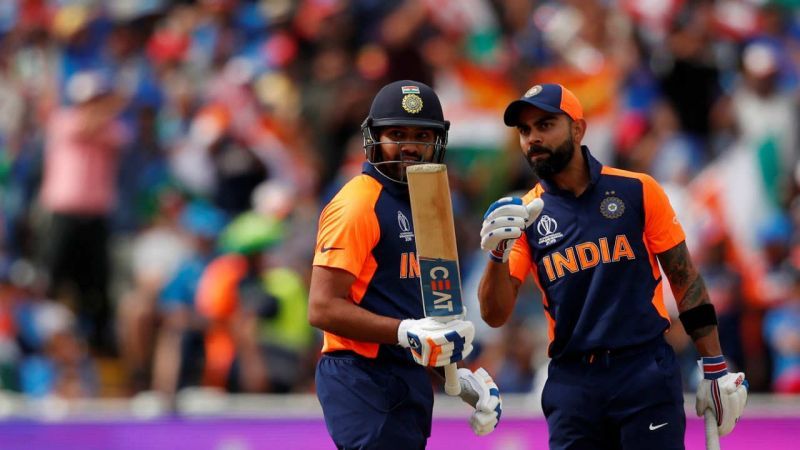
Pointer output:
x,y
547,225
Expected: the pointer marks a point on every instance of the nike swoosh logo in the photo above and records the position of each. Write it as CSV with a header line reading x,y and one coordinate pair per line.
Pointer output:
x,y
327,249
655,427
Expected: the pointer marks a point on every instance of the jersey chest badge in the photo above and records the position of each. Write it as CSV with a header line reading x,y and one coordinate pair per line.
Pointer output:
x,y
612,207
405,227
548,230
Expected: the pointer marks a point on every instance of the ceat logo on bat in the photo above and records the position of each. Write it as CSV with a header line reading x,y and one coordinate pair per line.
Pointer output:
x,y
441,287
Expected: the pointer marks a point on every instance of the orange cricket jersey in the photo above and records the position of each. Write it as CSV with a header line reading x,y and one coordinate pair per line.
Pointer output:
x,y
366,230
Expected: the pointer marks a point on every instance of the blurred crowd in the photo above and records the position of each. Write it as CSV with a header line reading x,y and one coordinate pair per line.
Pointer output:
x,y
163,165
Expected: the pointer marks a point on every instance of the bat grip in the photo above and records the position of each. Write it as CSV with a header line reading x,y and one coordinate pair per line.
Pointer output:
x,y
451,384
712,435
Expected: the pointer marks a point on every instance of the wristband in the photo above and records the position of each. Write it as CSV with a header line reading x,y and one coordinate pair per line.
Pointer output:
x,y
714,367
500,254
497,256
698,317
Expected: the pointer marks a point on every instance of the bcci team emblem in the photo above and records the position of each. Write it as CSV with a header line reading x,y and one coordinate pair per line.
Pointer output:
x,y
612,207
412,103
533,91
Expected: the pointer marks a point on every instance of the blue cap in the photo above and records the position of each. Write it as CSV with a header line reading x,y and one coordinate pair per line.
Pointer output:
x,y
553,98
203,219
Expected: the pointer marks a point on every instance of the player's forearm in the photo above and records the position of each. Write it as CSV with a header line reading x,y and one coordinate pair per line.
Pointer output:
x,y
686,283
497,294
690,292
706,341
344,318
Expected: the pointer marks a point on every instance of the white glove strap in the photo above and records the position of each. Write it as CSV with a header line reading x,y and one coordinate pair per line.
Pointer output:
x,y
402,333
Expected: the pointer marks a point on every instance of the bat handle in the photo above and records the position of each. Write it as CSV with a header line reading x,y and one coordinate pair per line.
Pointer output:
x,y
712,435
451,384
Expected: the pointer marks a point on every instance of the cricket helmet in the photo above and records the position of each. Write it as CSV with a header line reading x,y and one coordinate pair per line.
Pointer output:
x,y
404,103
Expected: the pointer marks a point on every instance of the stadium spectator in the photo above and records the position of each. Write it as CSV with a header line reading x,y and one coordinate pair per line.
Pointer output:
x,y
257,337
174,365
156,254
79,191
54,359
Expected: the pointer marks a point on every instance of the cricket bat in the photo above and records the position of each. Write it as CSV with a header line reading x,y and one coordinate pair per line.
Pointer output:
x,y
435,235
712,436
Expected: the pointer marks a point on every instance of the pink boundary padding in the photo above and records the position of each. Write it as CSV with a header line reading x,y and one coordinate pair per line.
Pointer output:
x,y
514,433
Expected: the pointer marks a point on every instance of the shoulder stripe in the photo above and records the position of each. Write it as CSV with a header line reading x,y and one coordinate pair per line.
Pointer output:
x,y
625,173
536,192
348,226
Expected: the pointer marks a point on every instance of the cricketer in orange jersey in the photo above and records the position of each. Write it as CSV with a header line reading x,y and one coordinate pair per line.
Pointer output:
x,y
371,379
592,237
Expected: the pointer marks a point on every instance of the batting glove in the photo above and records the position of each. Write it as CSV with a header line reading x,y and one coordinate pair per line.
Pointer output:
x,y
725,394
504,222
436,344
480,391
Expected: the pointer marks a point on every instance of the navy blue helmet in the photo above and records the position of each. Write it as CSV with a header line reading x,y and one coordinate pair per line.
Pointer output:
x,y
404,103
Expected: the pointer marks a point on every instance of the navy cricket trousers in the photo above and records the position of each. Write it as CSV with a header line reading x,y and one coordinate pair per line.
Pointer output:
x,y
630,399
374,404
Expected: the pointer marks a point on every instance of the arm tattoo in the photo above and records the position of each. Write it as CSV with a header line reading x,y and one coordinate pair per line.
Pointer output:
x,y
687,285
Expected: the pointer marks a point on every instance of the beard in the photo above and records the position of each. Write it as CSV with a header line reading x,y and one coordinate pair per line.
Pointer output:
x,y
555,161
396,170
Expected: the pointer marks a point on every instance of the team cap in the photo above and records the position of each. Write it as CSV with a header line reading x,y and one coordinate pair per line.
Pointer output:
x,y
549,97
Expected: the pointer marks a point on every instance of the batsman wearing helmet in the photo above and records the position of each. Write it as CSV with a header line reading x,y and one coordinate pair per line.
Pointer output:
x,y
592,237
365,293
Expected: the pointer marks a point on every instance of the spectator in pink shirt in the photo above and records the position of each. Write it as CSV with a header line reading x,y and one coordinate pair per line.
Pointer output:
x,y
82,146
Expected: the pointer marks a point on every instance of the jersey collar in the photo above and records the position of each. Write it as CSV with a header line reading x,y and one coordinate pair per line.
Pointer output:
x,y
392,186
595,169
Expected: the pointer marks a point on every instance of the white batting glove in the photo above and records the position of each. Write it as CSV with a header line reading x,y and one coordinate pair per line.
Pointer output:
x,y
436,344
504,222
480,391
725,394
